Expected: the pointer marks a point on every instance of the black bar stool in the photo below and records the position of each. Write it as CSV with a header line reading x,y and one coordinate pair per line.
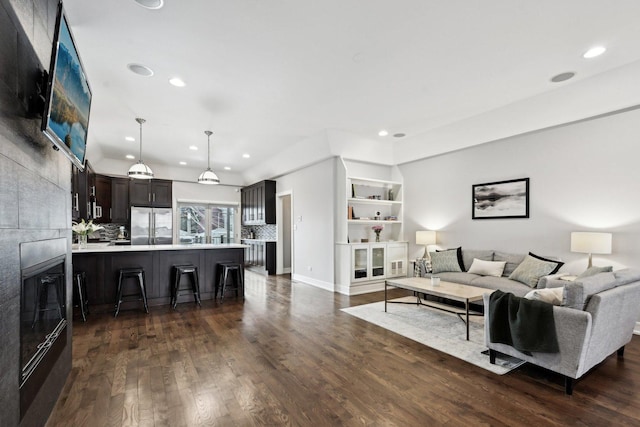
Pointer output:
x,y
224,269
42,296
191,271
80,298
134,273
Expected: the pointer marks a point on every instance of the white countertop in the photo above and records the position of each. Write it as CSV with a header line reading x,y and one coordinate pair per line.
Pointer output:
x,y
105,247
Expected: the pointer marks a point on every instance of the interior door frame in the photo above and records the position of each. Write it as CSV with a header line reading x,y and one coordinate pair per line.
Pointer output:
x,y
280,220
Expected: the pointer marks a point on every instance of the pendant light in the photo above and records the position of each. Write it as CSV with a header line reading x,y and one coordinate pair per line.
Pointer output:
x,y
208,176
140,170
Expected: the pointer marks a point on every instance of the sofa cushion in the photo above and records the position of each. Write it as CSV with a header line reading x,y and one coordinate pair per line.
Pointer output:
x,y
592,271
533,268
502,283
447,260
626,275
464,278
577,293
469,254
487,268
512,261
550,295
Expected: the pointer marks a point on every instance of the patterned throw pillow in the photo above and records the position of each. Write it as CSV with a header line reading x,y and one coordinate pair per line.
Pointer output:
x,y
533,268
449,260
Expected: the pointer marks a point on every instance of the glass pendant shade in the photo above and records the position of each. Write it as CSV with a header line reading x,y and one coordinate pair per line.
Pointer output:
x,y
208,176
140,170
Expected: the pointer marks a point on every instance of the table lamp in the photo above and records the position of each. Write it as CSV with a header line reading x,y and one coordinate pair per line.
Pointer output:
x,y
426,238
590,243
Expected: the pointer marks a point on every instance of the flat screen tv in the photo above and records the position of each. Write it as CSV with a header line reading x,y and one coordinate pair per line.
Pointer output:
x,y
68,100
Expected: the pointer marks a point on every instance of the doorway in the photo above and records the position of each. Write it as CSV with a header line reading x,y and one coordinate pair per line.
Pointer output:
x,y
284,218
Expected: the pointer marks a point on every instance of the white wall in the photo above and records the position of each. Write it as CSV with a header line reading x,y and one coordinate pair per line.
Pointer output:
x,y
584,176
313,206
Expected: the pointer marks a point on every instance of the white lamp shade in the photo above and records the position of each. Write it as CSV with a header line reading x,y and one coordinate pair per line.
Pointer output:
x,y
590,242
140,171
208,177
425,237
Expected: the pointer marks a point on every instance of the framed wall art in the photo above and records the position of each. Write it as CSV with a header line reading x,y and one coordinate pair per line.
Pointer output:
x,y
503,199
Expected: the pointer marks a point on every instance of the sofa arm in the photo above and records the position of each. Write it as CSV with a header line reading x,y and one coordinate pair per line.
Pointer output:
x,y
573,329
551,281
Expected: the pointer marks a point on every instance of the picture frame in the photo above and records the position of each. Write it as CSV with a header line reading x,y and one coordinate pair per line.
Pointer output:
x,y
500,199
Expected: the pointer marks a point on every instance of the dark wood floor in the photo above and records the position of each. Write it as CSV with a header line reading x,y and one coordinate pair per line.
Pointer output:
x,y
287,355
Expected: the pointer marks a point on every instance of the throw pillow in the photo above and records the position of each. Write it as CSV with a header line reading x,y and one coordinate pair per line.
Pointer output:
x,y
447,260
487,268
533,268
550,295
592,271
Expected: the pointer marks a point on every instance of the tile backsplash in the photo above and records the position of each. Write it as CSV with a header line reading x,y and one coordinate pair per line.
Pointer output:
x,y
261,232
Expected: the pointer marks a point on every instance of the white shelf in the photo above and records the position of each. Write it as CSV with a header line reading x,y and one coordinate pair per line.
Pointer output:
x,y
372,221
374,202
372,182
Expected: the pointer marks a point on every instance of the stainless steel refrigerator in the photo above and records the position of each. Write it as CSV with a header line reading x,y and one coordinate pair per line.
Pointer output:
x,y
151,226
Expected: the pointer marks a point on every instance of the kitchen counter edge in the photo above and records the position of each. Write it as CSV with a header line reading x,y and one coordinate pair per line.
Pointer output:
x,y
141,248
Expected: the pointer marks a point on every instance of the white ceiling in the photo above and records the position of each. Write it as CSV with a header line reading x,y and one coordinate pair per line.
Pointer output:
x,y
266,74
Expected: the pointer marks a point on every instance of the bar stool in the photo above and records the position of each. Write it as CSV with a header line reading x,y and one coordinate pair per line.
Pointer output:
x,y
192,271
80,297
132,273
225,268
42,296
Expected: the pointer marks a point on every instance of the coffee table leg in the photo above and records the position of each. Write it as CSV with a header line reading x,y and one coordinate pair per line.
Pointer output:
x,y
385,296
466,306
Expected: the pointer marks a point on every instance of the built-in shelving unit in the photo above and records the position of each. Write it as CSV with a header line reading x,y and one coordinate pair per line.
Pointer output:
x,y
366,199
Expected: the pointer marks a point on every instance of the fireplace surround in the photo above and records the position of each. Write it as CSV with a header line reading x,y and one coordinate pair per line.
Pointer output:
x,y
43,313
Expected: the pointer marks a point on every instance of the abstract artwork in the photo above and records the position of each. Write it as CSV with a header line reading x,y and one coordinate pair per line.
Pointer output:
x,y
503,199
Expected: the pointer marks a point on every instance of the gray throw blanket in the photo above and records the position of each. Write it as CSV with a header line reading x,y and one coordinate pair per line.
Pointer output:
x,y
524,324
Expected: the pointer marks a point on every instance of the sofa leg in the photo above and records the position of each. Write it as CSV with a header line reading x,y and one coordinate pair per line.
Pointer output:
x,y
568,386
621,352
492,357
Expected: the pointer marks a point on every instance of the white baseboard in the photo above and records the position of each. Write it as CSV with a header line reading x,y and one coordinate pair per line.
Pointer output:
x,y
286,270
313,282
360,288
636,330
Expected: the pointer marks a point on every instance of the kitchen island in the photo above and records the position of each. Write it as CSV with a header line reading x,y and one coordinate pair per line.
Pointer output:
x,y
101,264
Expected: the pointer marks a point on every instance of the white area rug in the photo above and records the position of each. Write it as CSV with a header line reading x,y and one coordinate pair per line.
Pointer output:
x,y
437,329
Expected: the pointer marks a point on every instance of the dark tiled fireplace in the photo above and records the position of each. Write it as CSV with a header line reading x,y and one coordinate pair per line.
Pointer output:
x,y
42,313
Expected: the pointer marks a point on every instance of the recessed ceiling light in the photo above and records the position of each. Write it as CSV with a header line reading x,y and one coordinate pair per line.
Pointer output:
x,y
177,82
193,147
227,168
383,133
399,135
183,163
129,138
150,4
562,77
246,156
594,51
130,156
141,70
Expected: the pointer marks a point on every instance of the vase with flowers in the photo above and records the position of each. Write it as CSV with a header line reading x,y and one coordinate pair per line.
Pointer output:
x,y
377,229
82,229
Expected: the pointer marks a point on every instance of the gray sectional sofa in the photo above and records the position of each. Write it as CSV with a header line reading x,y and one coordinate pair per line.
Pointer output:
x,y
595,318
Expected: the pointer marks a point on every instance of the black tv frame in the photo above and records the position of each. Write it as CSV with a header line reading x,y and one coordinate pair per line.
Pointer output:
x,y
59,144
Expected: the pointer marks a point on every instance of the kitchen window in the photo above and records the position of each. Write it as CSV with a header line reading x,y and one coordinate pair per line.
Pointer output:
x,y
206,223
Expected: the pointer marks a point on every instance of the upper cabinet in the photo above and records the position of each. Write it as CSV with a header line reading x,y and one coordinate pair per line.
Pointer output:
x,y
101,206
259,203
150,193
120,200
82,192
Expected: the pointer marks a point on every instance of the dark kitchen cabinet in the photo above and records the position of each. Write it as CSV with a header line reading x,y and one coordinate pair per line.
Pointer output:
x,y
102,201
259,203
82,192
260,256
119,200
152,193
